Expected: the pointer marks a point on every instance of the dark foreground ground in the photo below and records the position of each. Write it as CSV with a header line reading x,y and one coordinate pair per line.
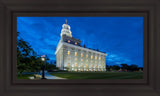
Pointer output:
x,y
100,75
92,75
24,76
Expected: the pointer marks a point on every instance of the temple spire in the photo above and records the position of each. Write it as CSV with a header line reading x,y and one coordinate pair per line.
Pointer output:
x,y
66,29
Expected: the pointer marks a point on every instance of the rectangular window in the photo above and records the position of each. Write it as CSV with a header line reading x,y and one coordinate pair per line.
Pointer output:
x,y
69,41
96,57
75,65
81,54
99,58
75,53
87,60
91,56
86,65
81,64
75,43
68,52
81,59
68,64
87,56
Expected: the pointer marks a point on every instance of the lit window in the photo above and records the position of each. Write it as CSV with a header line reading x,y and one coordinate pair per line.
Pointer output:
x,y
91,65
99,66
91,57
81,54
75,43
81,64
99,58
69,41
95,61
75,53
75,59
87,56
87,60
68,52
81,59
75,65
86,65
91,61
68,64
96,57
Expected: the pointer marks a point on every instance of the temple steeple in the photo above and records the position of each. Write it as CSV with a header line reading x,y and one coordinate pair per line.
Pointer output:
x,y
66,30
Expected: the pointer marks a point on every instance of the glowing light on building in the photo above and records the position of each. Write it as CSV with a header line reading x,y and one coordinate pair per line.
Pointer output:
x,y
77,58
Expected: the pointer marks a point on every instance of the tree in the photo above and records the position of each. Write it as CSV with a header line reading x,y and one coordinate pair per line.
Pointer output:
x,y
133,67
124,66
115,67
51,66
26,57
107,67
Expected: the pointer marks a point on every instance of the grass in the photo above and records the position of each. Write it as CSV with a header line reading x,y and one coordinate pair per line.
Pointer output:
x,y
24,76
100,75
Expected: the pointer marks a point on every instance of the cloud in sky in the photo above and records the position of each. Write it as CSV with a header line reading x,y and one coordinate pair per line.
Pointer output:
x,y
120,37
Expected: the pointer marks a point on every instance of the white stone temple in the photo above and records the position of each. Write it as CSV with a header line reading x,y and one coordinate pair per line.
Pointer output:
x,y
71,56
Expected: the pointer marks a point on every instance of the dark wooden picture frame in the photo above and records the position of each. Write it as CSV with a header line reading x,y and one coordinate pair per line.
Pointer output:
x,y
148,86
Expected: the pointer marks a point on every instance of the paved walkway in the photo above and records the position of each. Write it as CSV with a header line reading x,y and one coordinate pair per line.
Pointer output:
x,y
49,76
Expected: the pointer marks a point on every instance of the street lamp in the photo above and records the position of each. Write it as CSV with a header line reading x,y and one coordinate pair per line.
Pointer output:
x,y
43,66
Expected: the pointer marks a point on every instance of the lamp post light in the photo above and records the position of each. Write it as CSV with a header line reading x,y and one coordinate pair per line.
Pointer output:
x,y
43,66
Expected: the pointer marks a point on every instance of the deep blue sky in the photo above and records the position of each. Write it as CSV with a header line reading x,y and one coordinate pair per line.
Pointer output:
x,y
120,37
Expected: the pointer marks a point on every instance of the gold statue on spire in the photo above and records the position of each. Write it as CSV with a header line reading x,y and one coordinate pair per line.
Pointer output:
x,y
66,21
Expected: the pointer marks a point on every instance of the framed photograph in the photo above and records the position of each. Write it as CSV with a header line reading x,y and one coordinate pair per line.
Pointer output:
x,y
67,57
79,48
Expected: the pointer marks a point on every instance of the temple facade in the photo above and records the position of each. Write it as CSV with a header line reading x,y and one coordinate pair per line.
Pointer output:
x,y
71,56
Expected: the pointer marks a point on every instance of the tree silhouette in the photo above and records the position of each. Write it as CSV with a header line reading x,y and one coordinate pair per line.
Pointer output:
x,y
124,66
26,57
115,67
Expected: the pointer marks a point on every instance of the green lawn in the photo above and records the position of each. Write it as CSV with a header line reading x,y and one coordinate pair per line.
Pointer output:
x,y
100,75
24,76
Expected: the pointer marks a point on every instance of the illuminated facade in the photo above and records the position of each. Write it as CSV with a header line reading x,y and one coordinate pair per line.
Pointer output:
x,y
71,56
